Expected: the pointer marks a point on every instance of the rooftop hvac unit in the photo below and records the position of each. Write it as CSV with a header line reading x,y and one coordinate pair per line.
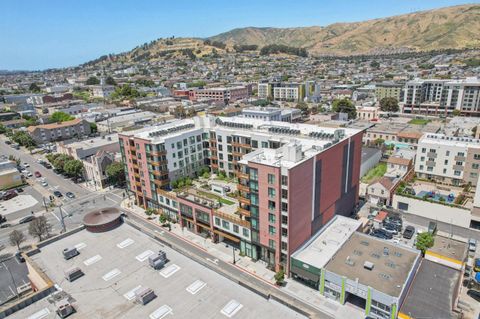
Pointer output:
x,y
73,273
65,309
158,261
368,265
70,253
144,295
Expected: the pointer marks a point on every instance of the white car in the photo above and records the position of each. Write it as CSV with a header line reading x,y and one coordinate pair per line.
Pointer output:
x,y
26,165
29,174
44,183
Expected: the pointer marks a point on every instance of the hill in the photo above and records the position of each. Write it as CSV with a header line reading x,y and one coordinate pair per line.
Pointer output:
x,y
445,28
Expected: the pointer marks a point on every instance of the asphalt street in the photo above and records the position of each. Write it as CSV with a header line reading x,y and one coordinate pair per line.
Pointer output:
x,y
72,209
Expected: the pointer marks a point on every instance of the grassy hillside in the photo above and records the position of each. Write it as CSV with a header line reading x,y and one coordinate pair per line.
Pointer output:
x,y
452,27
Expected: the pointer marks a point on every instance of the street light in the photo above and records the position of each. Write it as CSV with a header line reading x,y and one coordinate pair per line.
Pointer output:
x,y
233,250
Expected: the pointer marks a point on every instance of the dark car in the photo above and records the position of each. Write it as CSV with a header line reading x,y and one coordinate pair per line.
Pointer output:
x,y
409,232
70,195
47,165
8,142
19,257
58,193
9,195
19,190
57,171
26,219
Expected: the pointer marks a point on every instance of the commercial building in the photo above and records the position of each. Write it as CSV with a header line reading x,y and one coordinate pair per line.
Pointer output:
x,y
59,131
292,178
351,267
224,94
442,97
448,159
9,175
388,89
102,91
115,269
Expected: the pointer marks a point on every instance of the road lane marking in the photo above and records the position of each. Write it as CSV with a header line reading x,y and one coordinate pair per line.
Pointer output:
x,y
54,215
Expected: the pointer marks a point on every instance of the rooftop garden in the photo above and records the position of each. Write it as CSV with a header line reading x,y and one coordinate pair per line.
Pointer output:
x,y
419,121
404,189
375,173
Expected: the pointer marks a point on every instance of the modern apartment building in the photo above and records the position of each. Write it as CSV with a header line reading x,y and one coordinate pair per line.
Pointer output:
x,y
280,91
388,89
442,97
59,131
449,160
292,178
272,113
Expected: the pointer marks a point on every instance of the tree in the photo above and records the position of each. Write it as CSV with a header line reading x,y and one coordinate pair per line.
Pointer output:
x,y
3,129
424,241
16,238
39,227
110,81
302,106
73,168
116,173
58,117
279,277
344,106
379,141
126,92
150,211
180,111
375,64
93,81
456,112
93,128
389,104
34,88
23,139
60,160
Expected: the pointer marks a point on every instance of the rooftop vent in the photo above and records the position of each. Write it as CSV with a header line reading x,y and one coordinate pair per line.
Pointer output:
x,y
368,265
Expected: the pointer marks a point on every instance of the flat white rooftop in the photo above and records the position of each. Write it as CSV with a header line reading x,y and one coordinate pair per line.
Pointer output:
x,y
442,139
320,249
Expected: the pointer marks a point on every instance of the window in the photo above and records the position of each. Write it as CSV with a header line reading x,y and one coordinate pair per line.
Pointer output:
x,y
235,229
422,158
444,171
460,154
475,166
271,192
272,230
271,205
254,199
253,174
271,244
284,180
448,153
476,156
246,232
421,167
217,221
457,173
284,245
424,150
284,207
271,179
225,224
254,144
271,218
264,144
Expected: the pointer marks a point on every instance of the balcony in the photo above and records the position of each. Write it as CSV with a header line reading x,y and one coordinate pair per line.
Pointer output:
x,y
244,212
214,165
458,167
236,144
432,155
161,183
232,218
244,200
243,188
430,163
161,153
132,148
460,158
159,173
243,175
237,154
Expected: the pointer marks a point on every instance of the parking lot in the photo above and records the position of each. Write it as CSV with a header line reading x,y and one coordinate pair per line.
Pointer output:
x,y
115,264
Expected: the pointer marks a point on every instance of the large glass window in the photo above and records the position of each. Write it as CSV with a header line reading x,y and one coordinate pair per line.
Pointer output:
x,y
271,192
272,230
253,174
271,179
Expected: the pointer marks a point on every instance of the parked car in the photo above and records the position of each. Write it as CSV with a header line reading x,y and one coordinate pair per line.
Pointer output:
x,y
8,142
44,183
58,194
9,195
38,174
47,165
476,265
472,245
26,219
19,190
409,232
25,164
19,257
3,219
70,195
432,227
29,174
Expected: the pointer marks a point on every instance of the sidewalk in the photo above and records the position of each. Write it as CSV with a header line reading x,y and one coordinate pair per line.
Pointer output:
x,y
257,269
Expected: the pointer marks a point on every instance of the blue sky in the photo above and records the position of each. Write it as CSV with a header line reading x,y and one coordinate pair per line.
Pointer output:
x,y
39,34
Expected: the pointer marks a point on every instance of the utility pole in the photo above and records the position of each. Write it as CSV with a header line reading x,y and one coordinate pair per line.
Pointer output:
x,y
233,250
62,220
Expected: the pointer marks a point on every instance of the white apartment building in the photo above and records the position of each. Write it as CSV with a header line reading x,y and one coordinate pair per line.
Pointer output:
x,y
449,160
286,93
434,96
